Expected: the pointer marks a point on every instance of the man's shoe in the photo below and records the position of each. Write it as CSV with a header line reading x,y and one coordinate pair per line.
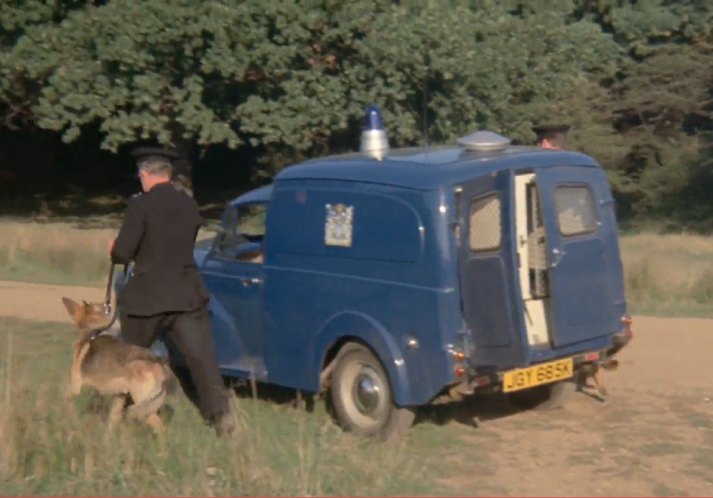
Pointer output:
x,y
224,425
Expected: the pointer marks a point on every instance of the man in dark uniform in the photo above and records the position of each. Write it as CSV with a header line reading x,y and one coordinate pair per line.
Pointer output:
x,y
166,294
551,136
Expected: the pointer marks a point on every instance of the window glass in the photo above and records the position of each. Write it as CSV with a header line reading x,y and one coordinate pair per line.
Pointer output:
x,y
242,234
485,224
575,210
251,220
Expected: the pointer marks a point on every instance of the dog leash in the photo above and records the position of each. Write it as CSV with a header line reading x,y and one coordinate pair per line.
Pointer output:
x,y
107,303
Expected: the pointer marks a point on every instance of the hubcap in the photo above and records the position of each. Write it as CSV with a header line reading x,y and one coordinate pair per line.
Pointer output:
x,y
366,393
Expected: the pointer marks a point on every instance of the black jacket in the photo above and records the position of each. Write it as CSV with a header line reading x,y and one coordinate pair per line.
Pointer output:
x,y
158,234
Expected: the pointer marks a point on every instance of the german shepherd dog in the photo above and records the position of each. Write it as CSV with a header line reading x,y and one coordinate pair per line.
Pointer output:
x,y
593,371
117,369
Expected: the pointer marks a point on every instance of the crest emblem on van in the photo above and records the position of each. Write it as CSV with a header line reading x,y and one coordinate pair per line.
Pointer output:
x,y
338,226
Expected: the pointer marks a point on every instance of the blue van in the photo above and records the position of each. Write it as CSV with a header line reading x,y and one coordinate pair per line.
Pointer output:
x,y
387,279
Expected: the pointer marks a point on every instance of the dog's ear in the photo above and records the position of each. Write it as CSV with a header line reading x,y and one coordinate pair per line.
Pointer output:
x,y
75,310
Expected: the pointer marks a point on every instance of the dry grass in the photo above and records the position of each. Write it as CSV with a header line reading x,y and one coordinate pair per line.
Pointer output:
x,y
53,445
669,274
53,252
58,252
665,274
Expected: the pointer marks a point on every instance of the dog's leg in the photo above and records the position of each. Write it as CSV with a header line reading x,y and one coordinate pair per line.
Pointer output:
x,y
116,412
75,382
586,371
596,377
76,372
155,422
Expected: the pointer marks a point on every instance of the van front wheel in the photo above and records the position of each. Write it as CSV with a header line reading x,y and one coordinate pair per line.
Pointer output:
x,y
362,398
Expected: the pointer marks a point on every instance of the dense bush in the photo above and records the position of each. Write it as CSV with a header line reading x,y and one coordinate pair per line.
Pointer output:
x,y
289,79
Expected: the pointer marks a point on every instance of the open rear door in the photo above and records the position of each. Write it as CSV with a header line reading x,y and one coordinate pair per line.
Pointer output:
x,y
487,273
584,270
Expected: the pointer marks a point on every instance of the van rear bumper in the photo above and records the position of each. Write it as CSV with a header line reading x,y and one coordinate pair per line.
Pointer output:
x,y
492,381
620,340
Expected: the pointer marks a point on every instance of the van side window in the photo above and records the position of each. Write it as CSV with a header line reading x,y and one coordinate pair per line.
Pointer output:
x,y
242,233
575,210
485,224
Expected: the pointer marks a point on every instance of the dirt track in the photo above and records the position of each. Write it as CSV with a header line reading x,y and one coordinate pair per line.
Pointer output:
x,y
41,301
654,436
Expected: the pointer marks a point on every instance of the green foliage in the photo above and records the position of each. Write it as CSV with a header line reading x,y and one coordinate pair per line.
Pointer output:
x,y
290,79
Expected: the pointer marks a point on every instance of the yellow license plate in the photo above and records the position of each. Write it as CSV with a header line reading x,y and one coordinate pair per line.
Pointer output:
x,y
544,373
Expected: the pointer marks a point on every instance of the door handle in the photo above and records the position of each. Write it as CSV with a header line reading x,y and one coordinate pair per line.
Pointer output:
x,y
251,281
557,255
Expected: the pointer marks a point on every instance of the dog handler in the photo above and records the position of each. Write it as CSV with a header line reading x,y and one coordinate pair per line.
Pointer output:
x,y
166,294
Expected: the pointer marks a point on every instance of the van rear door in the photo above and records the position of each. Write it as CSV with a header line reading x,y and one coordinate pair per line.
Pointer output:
x,y
584,269
487,271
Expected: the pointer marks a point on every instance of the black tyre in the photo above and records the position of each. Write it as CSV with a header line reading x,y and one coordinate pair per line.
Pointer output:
x,y
362,397
547,397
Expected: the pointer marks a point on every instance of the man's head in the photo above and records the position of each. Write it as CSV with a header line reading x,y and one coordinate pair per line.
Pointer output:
x,y
154,166
551,136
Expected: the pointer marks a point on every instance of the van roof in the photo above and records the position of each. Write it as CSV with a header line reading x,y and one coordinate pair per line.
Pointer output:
x,y
427,169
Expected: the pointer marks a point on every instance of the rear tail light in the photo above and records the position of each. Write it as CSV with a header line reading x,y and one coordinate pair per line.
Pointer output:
x,y
591,356
627,321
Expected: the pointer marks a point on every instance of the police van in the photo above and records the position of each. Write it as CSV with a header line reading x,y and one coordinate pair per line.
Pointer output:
x,y
387,279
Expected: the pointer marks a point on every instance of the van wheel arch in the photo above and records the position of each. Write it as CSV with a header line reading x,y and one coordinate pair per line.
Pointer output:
x,y
361,393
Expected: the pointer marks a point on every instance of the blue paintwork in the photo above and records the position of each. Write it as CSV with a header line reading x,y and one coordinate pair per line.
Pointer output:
x,y
405,275
438,168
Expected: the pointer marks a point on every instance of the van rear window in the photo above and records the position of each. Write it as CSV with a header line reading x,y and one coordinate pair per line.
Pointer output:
x,y
485,224
575,210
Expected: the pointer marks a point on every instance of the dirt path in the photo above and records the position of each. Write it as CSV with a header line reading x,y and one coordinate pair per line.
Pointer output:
x,y
653,436
41,301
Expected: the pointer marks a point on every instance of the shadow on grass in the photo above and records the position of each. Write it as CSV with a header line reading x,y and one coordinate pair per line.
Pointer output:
x,y
471,411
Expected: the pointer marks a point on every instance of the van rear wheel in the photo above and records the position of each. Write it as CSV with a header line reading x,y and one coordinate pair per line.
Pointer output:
x,y
546,397
362,397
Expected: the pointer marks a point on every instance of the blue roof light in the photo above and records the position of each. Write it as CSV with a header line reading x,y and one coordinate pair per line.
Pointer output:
x,y
373,118
373,138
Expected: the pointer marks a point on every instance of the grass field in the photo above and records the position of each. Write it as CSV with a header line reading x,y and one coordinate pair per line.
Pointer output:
x,y
53,445
66,252
669,275
666,275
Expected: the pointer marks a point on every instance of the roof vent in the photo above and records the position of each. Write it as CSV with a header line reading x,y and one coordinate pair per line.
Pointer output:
x,y
484,141
373,139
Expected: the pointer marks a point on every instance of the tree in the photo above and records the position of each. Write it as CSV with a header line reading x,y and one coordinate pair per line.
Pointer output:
x,y
15,20
663,103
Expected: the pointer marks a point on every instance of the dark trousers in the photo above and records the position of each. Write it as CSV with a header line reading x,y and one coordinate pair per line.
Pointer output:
x,y
189,332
